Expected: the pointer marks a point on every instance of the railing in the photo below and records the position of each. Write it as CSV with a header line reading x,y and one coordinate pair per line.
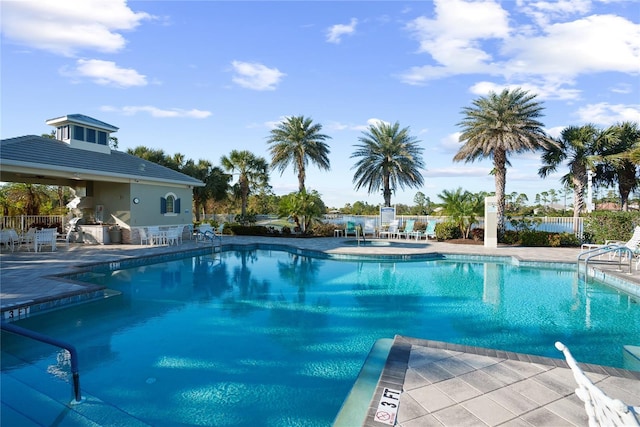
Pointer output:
x,y
10,327
549,224
22,223
618,253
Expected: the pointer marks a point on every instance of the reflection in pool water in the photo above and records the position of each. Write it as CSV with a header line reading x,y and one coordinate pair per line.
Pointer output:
x,y
267,337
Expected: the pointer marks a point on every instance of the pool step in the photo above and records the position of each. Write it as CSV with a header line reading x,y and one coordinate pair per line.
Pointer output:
x,y
29,394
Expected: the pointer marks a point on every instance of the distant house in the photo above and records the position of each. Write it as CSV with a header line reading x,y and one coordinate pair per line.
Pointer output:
x,y
112,187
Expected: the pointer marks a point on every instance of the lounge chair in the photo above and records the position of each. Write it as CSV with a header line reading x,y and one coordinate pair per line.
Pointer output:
x,y
601,409
369,228
350,228
391,231
408,231
430,231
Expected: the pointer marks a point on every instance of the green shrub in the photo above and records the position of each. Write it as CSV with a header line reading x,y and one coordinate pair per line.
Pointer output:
x,y
248,230
534,238
569,239
546,239
604,225
447,231
286,231
322,229
510,237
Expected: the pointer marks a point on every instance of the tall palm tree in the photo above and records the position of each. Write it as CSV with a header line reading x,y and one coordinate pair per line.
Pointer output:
x,y
251,170
216,184
389,157
578,146
619,164
499,124
297,141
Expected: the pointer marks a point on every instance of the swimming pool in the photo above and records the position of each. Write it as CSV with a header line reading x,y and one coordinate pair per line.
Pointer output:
x,y
267,337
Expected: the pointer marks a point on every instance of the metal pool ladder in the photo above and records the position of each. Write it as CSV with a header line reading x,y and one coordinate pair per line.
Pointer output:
x,y
9,327
594,256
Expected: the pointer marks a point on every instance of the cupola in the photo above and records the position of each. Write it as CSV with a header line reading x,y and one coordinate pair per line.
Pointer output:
x,y
83,132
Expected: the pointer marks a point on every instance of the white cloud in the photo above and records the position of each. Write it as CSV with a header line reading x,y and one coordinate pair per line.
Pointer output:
x,y
596,43
106,73
157,112
545,11
335,32
606,114
473,37
252,75
453,38
543,89
65,27
370,122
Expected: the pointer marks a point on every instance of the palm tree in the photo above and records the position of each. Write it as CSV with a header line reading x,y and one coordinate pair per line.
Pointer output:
x,y
463,207
389,157
216,184
497,125
251,170
297,141
577,146
619,165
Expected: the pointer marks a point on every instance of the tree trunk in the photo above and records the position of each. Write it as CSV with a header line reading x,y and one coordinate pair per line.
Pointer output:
x,y
386,191
302,174
578,180
499,162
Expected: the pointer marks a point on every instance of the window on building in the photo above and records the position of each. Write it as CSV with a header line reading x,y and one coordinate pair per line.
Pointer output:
x,y
90,135
102,138
170,204
78,133
62,133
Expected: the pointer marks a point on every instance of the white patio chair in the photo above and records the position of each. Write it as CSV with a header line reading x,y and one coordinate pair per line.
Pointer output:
x,y
28,238
392,231
9,238
601,409
157,236
45,237
174,236
144,236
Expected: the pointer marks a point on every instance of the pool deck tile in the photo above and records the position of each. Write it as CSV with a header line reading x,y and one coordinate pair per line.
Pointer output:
x,y
443,384
498,391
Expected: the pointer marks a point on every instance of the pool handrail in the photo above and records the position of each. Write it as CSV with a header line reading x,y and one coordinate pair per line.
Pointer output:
x,y
10,327
586,256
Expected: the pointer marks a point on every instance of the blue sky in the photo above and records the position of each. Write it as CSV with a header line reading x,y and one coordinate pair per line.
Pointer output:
x,y
204,77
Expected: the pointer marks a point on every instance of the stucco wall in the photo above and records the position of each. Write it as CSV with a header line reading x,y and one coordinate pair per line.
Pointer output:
x,y
147,211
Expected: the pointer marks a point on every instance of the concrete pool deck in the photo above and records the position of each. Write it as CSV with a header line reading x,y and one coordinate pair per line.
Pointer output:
x,y
442,384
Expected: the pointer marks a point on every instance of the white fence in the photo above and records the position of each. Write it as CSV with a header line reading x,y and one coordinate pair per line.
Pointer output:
x,y
22,223
547,223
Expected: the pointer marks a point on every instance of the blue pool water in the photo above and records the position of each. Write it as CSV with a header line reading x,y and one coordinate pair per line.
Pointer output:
x,y
272,338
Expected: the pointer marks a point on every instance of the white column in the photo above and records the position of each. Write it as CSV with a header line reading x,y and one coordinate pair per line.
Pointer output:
x,y
491,222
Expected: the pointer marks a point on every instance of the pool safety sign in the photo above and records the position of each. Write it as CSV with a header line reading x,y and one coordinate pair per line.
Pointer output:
x,y
388,406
